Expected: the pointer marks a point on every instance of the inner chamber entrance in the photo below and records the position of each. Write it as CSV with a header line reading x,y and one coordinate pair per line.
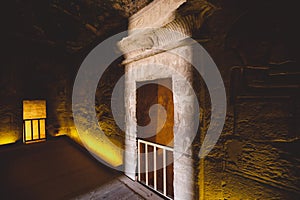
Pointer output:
x,y
149,94
155,135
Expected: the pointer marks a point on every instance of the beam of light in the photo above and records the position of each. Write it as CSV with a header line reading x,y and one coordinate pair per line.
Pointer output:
x,y
101,148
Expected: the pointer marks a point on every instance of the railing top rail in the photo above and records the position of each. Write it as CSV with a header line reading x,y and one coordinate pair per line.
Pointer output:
x,y
33,119
156,145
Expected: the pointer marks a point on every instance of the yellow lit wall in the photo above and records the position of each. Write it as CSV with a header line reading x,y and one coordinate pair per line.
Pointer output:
x,y
9,130
8,137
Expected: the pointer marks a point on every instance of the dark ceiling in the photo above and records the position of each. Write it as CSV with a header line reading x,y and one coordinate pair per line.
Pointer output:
x,y
76,26
69,25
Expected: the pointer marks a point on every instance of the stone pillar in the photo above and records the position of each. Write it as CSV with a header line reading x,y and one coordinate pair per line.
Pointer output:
x,y
154,54
130,157
184,128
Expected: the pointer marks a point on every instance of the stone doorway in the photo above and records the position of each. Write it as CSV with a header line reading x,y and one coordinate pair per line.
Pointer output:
x,y
155,135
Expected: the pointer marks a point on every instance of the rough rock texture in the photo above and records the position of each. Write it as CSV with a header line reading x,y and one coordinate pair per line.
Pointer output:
x,y
44,44
70,25
258,158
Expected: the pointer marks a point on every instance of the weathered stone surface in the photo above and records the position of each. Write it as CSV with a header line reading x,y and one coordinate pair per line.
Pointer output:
x,y
162,66
155,15
242,33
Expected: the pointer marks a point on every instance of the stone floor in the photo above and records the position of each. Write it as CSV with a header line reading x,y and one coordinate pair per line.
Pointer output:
x,y
60,169
121,188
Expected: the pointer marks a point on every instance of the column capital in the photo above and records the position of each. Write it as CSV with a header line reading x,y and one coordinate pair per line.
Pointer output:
x,y
148,35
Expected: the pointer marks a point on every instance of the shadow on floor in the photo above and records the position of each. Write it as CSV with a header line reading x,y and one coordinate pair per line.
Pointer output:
x,y
56,169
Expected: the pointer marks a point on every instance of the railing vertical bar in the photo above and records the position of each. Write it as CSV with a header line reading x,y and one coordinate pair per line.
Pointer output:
x,y
31,123
24,132
45,125
154,168
164,172
139,160
146,163
39,128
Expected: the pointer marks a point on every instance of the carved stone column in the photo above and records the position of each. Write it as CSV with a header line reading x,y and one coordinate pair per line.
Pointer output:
x,y
153,54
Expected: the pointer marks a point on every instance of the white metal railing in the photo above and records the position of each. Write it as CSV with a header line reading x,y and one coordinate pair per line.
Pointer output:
x,y
156,147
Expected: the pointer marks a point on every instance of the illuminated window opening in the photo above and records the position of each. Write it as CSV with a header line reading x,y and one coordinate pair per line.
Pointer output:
x,y
34,121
